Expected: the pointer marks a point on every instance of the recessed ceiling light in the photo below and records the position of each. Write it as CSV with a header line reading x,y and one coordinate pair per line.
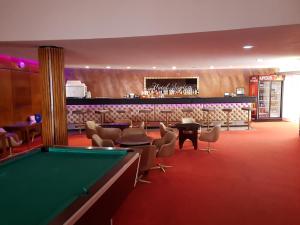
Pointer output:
x,y
248,46
211,67
154,67
107,67
259,60
87,67
128,67
173,67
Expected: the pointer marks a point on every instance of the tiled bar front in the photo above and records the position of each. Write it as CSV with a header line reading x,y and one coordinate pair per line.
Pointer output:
x,y
132,110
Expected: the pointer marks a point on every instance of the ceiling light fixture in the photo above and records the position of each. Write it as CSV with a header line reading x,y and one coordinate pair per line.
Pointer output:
x,y
154,67
87,67
248,46
128,67
107,67
173,67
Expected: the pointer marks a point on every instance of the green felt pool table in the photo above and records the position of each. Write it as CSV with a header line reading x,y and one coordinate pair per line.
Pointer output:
x,y
65,185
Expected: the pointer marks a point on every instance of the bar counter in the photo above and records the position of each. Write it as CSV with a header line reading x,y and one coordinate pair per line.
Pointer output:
x,y
131,106
112,101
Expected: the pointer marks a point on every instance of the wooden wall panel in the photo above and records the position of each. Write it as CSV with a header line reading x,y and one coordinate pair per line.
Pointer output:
x,y
6,107
116,83
36,93
20,95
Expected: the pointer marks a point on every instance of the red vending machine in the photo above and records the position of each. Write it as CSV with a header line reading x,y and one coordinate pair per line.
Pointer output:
x,y
268,89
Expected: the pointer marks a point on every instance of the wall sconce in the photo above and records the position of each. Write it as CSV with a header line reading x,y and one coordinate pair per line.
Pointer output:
x,y
21,65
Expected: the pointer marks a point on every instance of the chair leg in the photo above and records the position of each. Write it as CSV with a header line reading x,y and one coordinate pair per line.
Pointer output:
x,y
208,148
140,179
10,151
161,166
33,136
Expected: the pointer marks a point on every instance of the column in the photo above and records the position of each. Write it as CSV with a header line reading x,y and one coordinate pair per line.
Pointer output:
x,y
54,126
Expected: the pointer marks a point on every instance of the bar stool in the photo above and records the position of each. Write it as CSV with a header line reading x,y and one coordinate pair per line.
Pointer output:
x,y
81,117
146,113
102,113
248,110
167,112
208,112
227,111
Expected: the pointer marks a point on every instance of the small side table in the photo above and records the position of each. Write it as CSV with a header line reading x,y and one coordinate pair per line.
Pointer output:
x,y
188,131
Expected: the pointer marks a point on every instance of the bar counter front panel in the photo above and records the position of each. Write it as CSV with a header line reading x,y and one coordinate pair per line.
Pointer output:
x,y
132,107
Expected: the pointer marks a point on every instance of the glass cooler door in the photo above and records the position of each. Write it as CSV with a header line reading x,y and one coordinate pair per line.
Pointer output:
x,y
275,101
264,99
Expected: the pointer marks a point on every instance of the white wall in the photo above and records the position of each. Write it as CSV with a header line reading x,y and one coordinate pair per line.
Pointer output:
x,y
33,20
291,98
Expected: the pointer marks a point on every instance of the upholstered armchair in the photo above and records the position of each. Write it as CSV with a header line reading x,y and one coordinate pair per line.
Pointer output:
x,y
166,148
147,160
99,142
163,129
109,133
210,137
90,129
12,140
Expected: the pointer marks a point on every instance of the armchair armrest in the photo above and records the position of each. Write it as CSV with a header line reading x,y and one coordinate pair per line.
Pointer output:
x,y
108,143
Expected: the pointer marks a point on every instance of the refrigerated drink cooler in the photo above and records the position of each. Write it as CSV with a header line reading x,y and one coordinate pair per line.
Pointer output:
x,y
268,89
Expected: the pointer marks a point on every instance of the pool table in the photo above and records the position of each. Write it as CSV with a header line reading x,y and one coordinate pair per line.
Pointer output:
x,y
66,185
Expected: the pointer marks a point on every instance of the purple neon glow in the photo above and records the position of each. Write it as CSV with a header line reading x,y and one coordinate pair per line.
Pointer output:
x,y
21,64
18,61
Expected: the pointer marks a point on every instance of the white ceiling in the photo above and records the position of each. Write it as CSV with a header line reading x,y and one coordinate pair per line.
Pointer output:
x,y
190,34
221,49
93,19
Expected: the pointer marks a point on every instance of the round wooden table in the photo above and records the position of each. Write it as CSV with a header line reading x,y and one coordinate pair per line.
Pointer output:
x,y
122,126
134,140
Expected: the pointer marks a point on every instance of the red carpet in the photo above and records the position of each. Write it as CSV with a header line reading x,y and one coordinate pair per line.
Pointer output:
x,y
252,179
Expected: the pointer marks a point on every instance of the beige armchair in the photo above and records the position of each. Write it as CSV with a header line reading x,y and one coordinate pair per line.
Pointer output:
x,y
163,129
13,141
90,129
133,131
210,136
147,160
99,142
166,148
109,133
